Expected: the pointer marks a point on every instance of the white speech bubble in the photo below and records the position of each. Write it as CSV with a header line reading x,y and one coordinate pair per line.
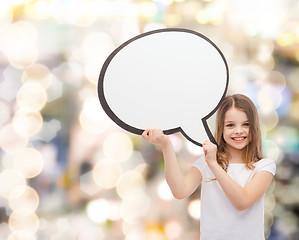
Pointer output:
x,y
173,79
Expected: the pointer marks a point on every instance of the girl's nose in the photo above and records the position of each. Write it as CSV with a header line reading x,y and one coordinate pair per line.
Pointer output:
x,y
239,129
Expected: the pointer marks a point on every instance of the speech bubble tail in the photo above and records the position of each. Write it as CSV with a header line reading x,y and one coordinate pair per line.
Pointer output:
x,y
199,134
209,133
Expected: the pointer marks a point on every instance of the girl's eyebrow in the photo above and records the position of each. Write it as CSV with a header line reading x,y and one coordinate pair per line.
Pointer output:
x,y
228,121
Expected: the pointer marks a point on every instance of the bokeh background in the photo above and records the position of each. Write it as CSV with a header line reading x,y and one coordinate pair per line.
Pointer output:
x,y
68,172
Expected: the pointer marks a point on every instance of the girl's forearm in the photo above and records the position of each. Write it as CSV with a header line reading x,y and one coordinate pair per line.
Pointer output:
x,y
235,192
173,174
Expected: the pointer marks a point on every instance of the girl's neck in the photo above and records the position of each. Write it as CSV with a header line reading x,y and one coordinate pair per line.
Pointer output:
x,y
235,156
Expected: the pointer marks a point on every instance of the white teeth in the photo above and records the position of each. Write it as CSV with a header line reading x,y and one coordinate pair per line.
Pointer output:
x,y
240,138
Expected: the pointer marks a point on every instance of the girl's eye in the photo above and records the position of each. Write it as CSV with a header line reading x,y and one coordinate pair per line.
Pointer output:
x,y
246,124
230,125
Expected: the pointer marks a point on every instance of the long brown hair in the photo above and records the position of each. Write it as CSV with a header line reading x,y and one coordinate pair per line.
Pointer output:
x,y
253,151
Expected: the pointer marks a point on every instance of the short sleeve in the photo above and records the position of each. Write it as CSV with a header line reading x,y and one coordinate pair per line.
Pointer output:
x,y
266,164
200,164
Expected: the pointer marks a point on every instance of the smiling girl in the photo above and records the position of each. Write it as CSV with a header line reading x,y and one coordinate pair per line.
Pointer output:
x,y
233,178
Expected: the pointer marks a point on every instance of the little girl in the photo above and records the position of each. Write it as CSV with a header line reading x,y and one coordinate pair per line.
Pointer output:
x,y
233,178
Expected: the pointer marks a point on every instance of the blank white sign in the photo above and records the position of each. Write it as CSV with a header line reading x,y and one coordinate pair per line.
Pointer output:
x,y
173,79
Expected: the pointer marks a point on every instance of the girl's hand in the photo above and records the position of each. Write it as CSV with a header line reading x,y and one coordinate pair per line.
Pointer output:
x,y
210,151
156,136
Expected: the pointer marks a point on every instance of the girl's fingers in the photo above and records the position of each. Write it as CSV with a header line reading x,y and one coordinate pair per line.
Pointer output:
x,y
146,134
152,135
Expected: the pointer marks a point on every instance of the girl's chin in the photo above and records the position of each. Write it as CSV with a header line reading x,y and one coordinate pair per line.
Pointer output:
x,y
238,146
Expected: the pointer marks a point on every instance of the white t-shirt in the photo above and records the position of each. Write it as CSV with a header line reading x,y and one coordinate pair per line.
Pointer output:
x,y
220,220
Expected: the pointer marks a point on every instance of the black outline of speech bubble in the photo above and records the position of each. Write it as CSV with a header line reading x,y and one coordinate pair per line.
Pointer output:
x,y
138,131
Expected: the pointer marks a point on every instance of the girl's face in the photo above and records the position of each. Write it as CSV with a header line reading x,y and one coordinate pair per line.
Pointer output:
x,y
236,129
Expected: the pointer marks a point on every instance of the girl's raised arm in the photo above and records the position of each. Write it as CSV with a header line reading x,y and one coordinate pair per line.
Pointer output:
x,y
180,185
241,197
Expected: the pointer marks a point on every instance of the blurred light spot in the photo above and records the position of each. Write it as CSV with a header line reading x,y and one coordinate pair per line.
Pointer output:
x,y
271,150
142,168
135,207
91,105
96,43
27,124
277,79
130,183
70,73
80,13
294,113
20,33
172,20
213,13
114,211
22,55
92,69
10,140
86,92
6,15
287,98
166,2
37,73
286,39
136,163
155,233
173,229
164,191
26,197
49,130
11,83
39,9
268,222
23,222
91,232
55,89
106,173
286,223
64,229
147,9
14,236
283,173
93,118
239,78
286,137
98,210
269,98
5,113
194,209
293,80
265,51
31,97
269,119
10,180
29,162
101,210
88,185
153,26
133,231
118,147
269,202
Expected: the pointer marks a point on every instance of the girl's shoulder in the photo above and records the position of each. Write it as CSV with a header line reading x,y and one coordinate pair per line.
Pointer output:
x,y
265,164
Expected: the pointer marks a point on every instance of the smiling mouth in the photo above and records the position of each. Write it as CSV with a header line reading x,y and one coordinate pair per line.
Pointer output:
x,y
239,138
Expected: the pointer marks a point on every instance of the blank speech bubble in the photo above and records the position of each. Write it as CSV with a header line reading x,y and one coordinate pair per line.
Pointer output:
x,y
173,79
